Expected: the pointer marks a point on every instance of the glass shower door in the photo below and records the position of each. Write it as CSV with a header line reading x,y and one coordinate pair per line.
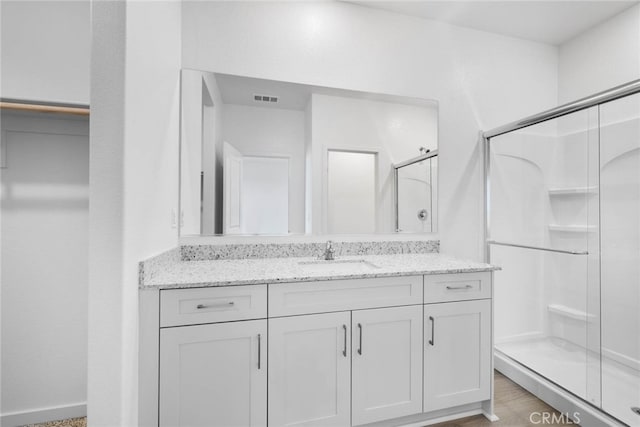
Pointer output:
x,y
543,232
620,239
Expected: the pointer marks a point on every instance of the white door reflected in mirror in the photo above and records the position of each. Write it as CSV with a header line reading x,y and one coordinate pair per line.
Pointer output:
x,y
256,196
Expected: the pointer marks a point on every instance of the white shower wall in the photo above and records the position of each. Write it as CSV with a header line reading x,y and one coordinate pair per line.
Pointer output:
x,y
620,207
539,291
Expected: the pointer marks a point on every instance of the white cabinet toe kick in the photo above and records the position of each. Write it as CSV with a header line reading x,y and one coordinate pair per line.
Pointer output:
x,y
404,350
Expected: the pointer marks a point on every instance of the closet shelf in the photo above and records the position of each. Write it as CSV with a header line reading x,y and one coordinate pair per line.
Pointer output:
x,y
573,228
568,191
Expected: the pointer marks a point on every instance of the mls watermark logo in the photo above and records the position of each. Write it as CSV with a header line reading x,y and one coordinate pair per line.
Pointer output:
x,y
554,418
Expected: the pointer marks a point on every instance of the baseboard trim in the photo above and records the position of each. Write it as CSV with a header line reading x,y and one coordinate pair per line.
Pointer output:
x,y
40,415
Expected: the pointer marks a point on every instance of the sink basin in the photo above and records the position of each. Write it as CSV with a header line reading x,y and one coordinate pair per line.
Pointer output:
x,y
341,265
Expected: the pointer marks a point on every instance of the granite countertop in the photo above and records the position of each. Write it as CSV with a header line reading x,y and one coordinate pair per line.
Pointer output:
x,y
186,274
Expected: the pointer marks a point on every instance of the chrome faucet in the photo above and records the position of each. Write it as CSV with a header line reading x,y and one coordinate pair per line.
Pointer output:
x,y
329,251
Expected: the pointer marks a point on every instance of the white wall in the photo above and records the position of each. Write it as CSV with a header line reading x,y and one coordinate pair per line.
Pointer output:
x,y
45,50
133,186
45,216
481,80
257,131
600,58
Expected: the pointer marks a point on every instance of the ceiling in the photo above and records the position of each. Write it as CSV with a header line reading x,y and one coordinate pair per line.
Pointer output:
x,y
551,22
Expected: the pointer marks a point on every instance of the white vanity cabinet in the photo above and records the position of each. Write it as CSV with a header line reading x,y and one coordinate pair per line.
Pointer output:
x,y
345,368
355,366
310,370
387,363
457,355
346,352
213,374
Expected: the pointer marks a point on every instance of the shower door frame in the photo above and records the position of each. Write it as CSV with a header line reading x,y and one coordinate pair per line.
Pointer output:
x,y
618,92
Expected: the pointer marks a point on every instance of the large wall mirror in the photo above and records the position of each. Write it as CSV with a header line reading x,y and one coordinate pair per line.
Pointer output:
x,y
264,157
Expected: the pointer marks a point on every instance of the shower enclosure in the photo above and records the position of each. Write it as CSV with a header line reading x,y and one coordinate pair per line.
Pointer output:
x,y
563,222
415,193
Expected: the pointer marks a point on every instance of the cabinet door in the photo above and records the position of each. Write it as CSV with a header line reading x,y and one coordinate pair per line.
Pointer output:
x,y
387,363
310,370
214,375
457,357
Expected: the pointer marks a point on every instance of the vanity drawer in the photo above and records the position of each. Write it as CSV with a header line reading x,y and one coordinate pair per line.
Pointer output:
x,y
207,305
457,287
287,299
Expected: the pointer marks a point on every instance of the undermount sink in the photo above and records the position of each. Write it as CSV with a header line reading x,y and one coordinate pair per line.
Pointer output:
x,y
340,264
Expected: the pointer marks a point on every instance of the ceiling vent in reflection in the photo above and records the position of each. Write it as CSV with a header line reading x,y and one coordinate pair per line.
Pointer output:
x,y
265,98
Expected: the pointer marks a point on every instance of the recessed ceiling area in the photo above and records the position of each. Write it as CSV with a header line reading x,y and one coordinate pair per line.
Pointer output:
x,y
551,22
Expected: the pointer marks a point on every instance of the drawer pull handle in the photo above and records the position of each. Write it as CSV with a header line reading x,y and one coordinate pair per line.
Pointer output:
x,y
459,287
344,351
360,348
433,332
221,305
259,348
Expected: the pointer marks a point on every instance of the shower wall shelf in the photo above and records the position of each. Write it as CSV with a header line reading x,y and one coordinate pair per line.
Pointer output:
x,y
569,191
573,228
571,313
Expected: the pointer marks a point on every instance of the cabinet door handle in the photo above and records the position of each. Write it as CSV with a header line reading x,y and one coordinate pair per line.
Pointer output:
x,y
344,351
360,347
219,305
459,287
259,349
433,332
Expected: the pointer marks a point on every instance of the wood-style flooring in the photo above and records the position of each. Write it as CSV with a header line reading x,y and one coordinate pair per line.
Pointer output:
x,y
513,405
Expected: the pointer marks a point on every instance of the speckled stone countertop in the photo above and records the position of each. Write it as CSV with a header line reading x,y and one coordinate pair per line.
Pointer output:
x,y
186,274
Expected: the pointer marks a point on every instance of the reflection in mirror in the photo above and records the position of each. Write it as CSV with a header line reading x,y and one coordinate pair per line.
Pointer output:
x,y
351,192
416,189
263,157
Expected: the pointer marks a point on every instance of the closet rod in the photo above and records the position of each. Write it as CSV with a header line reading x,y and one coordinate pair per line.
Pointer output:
x,y
44,108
